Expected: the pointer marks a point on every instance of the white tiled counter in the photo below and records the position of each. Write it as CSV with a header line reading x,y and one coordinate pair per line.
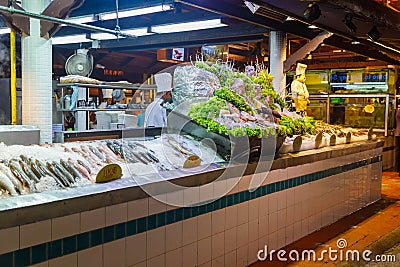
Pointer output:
x,y
117,224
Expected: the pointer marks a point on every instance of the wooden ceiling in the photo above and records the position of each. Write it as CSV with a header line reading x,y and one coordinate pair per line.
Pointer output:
x,y
246,34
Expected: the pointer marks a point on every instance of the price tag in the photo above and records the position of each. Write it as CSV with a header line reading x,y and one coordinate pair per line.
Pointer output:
x,y
109,173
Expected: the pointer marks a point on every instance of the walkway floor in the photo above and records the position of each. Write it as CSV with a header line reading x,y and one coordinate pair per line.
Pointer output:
x,y
376,228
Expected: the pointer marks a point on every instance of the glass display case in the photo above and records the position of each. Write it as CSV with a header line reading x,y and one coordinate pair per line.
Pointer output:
x,y
354,110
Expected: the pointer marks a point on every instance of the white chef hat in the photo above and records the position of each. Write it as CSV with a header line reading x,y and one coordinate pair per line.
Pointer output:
x,y
163,82
301,69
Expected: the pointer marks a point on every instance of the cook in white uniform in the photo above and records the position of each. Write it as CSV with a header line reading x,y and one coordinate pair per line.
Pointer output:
x,y
299,90
156,115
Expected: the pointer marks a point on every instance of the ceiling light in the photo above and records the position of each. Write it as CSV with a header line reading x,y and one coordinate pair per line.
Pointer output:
x,y
135,12
374,34
83,19
121,14
289,19
4,30
348,22
109,36
312,12
355,42
71,39
253,7
188,26
312,27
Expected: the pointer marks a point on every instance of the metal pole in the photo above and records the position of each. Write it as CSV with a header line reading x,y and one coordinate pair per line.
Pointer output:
x,y
13,59
386,114
62,21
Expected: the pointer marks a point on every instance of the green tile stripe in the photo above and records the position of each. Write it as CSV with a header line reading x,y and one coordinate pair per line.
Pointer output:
x,y
67,245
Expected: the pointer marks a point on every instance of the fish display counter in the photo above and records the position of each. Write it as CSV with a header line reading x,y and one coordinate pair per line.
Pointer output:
x,y
54,212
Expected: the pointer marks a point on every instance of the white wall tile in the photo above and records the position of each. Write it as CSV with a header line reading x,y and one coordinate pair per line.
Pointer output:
x,y
155,242
206,192
218,221
253,209
138,208
244,183
116,214
35,233
252,252
253,230
281,199
232,185
11,235
297,232
175,199
156,261
114,253
174,258
93,219
191,196
281,218
289,234
189,231
189,253
204,226
157,206
204,250
290,213
174,236
281,237
65,226
272,222
231,217
70,260
263,226
273,241
230,259
220,188
243,213
242,232
263,206
136,248
218,262
92,257
241,256
218,245
230,240
257,180
272,203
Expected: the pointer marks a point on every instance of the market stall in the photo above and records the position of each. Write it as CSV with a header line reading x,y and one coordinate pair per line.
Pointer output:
x,y
230,174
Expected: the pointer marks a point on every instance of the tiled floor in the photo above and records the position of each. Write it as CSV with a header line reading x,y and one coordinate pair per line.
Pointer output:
x,y
373,227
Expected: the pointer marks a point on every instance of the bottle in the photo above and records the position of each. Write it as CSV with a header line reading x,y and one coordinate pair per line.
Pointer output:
x,y
67,102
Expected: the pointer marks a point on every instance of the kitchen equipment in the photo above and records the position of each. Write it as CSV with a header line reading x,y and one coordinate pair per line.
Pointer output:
x,y
81,103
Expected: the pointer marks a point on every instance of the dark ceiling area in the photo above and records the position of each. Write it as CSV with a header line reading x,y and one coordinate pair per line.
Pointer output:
x,y
246,33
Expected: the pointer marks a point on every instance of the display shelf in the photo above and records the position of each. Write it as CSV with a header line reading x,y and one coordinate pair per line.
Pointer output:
x,y
103,86
80,91
381,118
94,109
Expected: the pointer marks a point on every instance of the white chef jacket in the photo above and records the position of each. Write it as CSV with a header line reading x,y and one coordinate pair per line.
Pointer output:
x,y
156,115
299,90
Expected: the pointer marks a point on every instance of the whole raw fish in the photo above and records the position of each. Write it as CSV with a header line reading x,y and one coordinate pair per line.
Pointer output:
x,y
6,184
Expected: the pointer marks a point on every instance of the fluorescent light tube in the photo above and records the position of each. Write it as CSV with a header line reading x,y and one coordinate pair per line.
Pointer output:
x,y
83,19
188,26
109,36
5,30
135,12
71,39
